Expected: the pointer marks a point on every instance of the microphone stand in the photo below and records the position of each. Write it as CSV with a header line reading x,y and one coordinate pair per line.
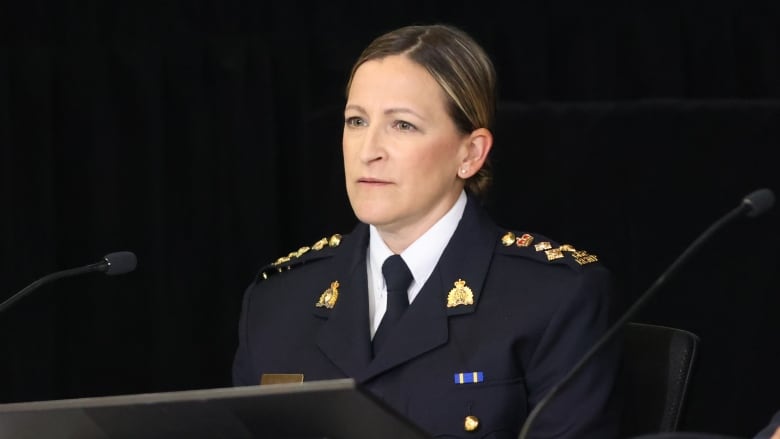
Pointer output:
x,y
98,266
748,205
112,264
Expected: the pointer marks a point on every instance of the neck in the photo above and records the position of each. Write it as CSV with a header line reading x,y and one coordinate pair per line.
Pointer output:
x,y
399,237
398,242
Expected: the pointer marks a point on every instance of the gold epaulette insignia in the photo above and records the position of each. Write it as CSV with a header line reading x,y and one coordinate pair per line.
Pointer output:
x,y
319,245
583,257
460,295
545,245
553,254
508,239
525,240
329,297
333,241
559,253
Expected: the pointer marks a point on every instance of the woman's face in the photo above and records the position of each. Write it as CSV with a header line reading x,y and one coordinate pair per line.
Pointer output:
x,y
402,150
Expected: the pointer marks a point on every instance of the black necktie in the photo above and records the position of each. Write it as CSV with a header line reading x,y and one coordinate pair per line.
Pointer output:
x,y
397,278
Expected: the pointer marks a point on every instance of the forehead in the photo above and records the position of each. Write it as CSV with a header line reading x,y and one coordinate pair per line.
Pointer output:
x,y
395,80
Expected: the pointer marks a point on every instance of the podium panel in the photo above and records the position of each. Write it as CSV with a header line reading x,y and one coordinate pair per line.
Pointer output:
x,y
330,409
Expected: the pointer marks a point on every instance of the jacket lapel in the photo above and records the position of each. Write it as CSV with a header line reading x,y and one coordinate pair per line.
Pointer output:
x,y
344,338
424,326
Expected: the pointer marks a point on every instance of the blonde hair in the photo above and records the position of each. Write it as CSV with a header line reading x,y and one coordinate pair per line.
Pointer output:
x,y
459,65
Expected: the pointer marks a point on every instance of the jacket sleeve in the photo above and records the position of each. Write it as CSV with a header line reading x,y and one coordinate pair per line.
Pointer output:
x,y
242,361
587,405
769,430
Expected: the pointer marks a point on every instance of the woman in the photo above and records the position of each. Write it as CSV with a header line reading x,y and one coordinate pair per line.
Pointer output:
x,y
495,317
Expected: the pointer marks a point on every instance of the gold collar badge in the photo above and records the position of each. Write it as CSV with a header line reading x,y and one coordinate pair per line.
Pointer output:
x,y
460,295
330,296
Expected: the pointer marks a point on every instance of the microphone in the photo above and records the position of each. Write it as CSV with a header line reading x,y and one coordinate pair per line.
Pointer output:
x,y
758,202
112,264
752,205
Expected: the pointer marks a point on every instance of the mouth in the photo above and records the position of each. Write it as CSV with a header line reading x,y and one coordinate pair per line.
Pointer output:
x,y
372,181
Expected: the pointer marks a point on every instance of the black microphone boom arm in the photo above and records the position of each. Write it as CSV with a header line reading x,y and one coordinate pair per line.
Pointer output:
x,y
112,263
752,205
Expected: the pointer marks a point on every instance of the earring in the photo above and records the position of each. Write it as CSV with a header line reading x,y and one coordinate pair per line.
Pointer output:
x,y
463,170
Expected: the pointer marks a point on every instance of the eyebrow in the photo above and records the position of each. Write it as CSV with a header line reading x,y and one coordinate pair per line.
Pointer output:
x,y
389,111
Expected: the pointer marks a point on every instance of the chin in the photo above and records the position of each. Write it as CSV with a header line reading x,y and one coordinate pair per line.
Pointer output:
x,y
371,217
376,213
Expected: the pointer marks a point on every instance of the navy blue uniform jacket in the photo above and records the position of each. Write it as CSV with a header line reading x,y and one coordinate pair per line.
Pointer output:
x,y
769,430
530,319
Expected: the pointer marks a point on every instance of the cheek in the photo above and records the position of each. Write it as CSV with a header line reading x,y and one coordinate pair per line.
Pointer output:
x,y
348,151
345,142
437,160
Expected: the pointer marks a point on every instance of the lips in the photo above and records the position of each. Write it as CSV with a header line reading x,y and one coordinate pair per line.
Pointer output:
x,y
372,181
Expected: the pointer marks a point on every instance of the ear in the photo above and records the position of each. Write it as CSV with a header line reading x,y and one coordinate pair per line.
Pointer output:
x,y
478,146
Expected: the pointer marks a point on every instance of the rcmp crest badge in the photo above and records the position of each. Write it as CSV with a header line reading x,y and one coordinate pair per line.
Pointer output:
x,y
330,296
460,295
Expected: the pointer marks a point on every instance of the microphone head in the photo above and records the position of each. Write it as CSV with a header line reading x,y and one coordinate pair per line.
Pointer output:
x,y
758,202
120,263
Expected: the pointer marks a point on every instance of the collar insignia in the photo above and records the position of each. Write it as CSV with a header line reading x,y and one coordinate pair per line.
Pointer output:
x,y
460,295
330,296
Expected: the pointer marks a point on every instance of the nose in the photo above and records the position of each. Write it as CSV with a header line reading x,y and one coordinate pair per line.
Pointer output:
x,y
372,146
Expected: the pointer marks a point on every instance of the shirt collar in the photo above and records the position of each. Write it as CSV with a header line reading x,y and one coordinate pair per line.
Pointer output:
x,y
423,254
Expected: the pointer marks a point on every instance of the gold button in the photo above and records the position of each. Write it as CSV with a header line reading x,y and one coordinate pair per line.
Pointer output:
x,y
471,423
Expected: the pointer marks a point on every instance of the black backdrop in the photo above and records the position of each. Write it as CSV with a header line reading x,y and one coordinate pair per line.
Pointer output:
x,y
205,137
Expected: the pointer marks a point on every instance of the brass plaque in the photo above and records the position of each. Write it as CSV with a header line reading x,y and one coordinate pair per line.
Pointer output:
x,y
281,378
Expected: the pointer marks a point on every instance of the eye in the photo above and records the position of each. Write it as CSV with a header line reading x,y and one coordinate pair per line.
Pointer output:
x,y
355,121
404,126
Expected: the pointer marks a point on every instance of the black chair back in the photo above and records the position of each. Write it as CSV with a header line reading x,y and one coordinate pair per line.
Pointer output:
x,y
657,366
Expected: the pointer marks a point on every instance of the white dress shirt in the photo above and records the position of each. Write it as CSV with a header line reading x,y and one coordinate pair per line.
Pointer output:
x,y
421,257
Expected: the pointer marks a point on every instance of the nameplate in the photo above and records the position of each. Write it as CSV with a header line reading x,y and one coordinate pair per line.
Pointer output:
x,y
281,378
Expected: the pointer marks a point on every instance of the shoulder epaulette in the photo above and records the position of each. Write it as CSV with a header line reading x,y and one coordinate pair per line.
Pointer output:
x,y
544,250
320,249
